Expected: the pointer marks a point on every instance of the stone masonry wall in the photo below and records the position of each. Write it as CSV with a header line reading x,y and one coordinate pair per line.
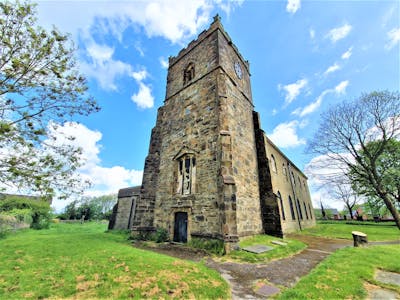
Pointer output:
x,y
296,188
190,126
237,119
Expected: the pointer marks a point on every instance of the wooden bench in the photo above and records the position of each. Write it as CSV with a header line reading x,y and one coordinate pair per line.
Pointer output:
x,y
360,238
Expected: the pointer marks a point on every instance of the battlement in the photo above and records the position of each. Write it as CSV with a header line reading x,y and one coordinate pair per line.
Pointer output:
x,y
215,25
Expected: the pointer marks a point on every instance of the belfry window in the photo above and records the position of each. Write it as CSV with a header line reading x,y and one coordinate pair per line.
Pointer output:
x,y
188,73
186,175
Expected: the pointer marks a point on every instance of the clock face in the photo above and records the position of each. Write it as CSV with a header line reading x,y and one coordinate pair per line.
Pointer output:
x,y
238,70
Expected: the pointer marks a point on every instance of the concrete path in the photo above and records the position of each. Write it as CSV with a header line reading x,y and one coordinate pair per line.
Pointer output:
x,y
285,272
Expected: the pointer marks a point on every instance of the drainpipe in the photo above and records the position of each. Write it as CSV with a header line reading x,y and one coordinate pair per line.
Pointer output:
x,y
291,176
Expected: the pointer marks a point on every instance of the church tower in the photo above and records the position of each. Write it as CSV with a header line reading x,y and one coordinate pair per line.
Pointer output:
x,y
201,176
211,172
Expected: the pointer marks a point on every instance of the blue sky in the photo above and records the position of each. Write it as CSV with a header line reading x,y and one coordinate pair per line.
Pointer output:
x,y
304,56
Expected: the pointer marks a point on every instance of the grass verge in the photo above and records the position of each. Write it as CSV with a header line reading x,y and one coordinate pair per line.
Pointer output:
x,y
343,274
81,261
279,251
375,231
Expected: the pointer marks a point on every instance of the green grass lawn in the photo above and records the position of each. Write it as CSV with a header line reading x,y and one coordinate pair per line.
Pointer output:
x,y
291,248
343,274
82,261
375,231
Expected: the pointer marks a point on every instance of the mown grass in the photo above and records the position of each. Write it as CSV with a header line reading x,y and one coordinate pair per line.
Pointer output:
x,y
291,248
343,274
375,231
81,261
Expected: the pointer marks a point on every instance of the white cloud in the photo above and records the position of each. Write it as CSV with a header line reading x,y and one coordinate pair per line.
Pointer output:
x,y
312,33
293,6
339,33
228,6
293,90
331,69
139,48
101,66
284,135
164,62
143,98
140,75
347,54
105,180
338,90
173,20
393,37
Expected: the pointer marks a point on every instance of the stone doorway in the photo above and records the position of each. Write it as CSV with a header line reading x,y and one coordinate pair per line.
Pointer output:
x,y
180,227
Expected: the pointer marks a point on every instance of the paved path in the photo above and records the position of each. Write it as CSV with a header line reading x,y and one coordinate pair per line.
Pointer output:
x,y
284,272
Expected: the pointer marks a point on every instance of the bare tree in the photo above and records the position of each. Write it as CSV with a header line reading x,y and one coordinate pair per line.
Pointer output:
x,y
347,128
344,192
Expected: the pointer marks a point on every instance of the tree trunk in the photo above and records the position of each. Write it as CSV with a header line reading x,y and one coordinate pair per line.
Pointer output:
x,y
392,209
350,211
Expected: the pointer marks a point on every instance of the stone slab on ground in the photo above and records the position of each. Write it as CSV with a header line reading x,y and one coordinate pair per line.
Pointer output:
x,y
388,277
267,290
257,249
379,294
279,243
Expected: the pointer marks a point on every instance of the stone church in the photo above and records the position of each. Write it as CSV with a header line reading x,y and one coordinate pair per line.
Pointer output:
x,y
211,171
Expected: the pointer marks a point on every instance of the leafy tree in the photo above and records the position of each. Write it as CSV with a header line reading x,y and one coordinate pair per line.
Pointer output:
x,y
92,208
344,136
387,168
375,206
40,89
70,211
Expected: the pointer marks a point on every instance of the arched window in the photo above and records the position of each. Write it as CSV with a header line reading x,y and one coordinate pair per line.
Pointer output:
x,y
273,163
292,209
281,203
293,178
305,209
188,73
309,207
186,175
299,209
284,170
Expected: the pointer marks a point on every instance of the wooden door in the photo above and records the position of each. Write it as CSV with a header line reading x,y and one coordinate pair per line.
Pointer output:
x,y
180,227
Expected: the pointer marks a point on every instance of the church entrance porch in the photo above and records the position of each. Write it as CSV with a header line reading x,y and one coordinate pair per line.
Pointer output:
x,y
180,227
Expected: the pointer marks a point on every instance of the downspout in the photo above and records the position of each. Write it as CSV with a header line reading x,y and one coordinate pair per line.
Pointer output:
x,y
291,176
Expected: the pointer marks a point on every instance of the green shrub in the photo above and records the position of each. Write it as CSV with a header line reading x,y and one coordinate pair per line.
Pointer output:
x,y
159,236
6,224
33,211
22,215
214,246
